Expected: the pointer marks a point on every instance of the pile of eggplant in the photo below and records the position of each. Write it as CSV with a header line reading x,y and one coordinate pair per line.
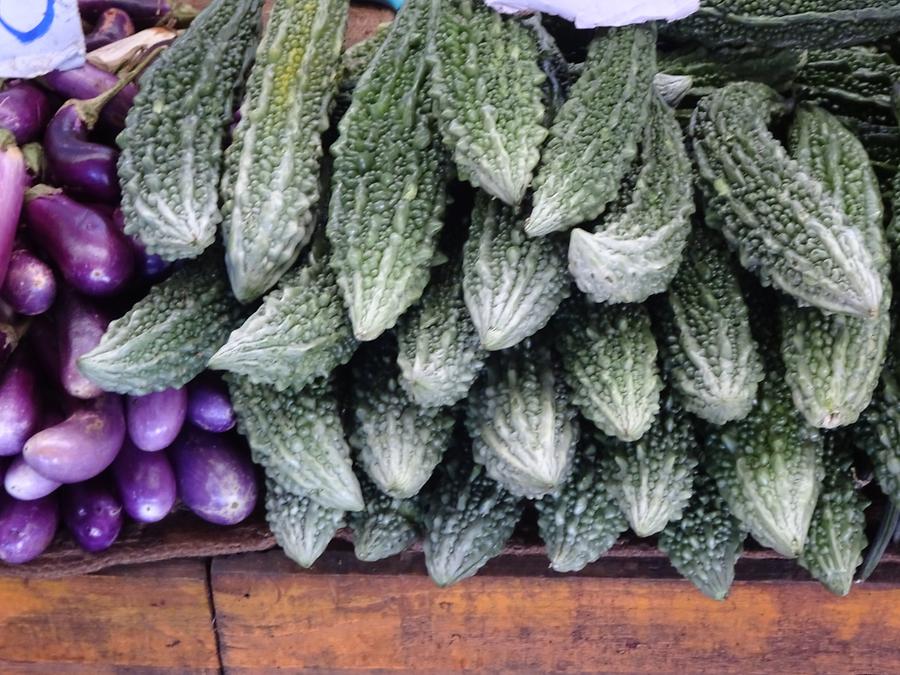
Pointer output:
x,y
70,452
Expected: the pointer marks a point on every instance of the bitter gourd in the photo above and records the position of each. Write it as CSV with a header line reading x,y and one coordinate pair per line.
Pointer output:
x,y
595,135
782,221
711,357
354,62
790,23
171,159
399,442
608,354
439,350
832,362
388,183
635,253
512,285
707,542
486,88
270,185
878,431
581,521
302,526
166,339
837,534
467,522
386,526
520,421
653,477
300,332
768,467
297,436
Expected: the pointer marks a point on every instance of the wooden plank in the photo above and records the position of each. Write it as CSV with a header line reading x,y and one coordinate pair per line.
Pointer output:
x,y
146,617
272,615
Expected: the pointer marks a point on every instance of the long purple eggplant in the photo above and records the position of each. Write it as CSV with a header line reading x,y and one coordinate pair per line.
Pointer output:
x,y
84,169
148,266
209,405
155,420
89,81
30,287
146,483
82,445
112,25
216,479
79,326
92,256
24,111
23,482
142,11
13,182
26,528
93,514
20,404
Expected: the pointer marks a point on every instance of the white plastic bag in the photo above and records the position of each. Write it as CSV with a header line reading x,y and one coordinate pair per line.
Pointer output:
x,y
37,36
593,13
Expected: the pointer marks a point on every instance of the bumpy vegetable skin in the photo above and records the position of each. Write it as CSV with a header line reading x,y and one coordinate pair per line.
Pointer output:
x,y
386,527
302,526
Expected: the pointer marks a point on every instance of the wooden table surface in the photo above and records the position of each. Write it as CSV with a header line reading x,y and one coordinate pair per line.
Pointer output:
x,y
259,612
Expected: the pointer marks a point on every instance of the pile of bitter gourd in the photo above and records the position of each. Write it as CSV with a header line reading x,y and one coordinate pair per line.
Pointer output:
x,y
457,273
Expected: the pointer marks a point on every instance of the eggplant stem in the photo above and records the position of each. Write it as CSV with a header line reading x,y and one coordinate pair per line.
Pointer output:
x,y
6,139
181,14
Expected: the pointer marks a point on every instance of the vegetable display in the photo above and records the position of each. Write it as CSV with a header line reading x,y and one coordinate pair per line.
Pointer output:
x,y
450,280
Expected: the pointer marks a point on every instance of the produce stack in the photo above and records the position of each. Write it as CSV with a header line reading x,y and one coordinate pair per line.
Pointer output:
x,y
482,266
69,449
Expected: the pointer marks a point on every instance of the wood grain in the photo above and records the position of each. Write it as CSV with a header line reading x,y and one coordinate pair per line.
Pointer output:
x,y
147,617
272,615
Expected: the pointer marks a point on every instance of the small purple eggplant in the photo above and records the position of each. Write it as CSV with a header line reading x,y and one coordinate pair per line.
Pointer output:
x,y
79,326
148,266
90,81
146,483
13,182
142,11
20,405
24,111
26,528
112,25
93,258
155,420
209,405
216,479
29,287
82,445
23,482
93,514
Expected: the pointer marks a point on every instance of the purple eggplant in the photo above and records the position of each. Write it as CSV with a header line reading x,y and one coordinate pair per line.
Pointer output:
x,y
24,111
216,479
112,25
23,482
20,405
155,420
209,405
90,81
79,326
26,528
92,256
148,266
13,182
44,346
29,287
93,514
146,483
142,11
82,445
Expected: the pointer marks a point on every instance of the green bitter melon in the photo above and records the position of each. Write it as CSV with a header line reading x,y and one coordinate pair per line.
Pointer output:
x,y
878,431
297,436
595,135
302,527
388,183
784,224
386,526
171,159
166,339
270,185
609,354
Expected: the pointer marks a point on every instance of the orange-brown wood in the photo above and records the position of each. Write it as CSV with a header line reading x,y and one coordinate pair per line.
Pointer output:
x,y
146,617
271,615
